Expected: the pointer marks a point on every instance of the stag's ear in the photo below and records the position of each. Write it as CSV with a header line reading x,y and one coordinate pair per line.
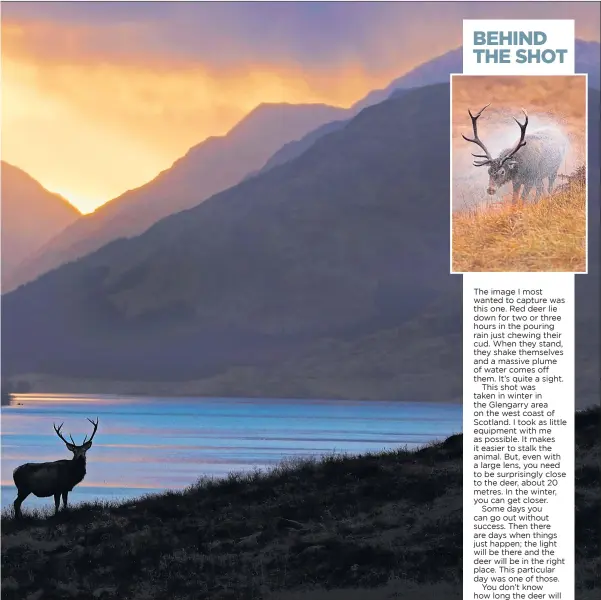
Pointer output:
x,y
87,445
70,447
511,164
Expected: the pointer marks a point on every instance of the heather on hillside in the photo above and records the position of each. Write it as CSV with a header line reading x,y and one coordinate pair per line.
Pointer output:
x,y
368,527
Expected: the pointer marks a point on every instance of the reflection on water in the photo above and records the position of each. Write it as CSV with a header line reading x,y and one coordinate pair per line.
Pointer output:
x,y
150,444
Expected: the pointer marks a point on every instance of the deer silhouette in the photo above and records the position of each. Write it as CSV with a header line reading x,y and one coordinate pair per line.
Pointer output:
x,y
55,478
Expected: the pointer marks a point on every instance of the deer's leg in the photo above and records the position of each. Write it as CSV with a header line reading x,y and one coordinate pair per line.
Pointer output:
x,y
539,191
57,501
65,497
552,181
526,192
17,504
516,192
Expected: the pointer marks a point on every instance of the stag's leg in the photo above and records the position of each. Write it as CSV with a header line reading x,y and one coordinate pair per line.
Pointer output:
x,y
552,182
516,192
57,501
526,192
65,497
539,191
17,504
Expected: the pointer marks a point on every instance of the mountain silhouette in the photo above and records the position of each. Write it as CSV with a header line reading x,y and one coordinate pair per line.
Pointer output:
x,y
436,70
295,148
327,244
269,136
31,215
325,276
208,168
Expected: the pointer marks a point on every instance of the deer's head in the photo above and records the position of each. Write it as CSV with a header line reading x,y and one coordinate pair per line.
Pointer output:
x,y
503,168
78,451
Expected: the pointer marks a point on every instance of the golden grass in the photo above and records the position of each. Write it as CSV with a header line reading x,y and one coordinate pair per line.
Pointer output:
x,y
549,235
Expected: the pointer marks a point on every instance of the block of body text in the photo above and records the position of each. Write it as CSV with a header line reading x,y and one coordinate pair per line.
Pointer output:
x,y
518,424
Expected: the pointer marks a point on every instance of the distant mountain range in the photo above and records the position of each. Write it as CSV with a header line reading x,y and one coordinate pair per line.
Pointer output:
x,y
210,167
326,276
295,148
438,70
31,215
269,136
324,245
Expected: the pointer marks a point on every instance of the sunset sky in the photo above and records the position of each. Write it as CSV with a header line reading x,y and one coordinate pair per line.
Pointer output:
x,y
97,98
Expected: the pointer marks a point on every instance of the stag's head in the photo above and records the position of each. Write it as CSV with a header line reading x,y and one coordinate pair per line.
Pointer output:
x,y
501,169
78,451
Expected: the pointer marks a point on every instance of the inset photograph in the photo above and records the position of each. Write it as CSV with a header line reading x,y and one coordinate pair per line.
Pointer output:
x,y
518,173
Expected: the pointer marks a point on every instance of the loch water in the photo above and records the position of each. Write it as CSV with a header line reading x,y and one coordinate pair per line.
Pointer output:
x,y
147,445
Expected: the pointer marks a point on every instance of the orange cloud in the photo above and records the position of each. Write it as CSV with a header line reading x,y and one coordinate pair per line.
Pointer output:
x,y
92,129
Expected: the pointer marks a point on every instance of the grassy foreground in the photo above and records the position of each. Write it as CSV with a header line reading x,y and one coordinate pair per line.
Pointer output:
x,y
371,527
548,235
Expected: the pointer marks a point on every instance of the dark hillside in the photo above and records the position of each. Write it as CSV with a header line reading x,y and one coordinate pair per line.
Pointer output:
x,y
374,527
349,237
326,276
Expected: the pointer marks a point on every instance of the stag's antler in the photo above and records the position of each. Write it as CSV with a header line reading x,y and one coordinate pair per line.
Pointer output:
x,y
476,140
521,143
58,432
94,432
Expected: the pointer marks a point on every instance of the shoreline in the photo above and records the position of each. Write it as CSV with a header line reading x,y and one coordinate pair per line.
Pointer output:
x,y
306,529
249,397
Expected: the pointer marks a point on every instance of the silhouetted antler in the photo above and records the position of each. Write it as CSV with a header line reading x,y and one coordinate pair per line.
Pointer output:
x,y
58,432
94,432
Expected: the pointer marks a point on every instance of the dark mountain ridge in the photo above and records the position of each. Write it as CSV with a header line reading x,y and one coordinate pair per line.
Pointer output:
x,y
324,245
270,135
327,276
215,164
31,215
436,70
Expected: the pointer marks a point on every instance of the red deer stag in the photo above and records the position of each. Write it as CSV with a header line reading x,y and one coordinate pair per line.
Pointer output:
x,y
536,156
53,478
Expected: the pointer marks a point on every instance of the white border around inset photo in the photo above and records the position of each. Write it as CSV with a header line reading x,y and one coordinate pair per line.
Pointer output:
x,y
585,75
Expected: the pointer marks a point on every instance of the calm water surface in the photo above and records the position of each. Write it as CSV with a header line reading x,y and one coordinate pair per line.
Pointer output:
x,y
146,445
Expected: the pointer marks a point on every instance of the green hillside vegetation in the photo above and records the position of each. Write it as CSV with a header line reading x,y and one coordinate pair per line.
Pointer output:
x,y
367,527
